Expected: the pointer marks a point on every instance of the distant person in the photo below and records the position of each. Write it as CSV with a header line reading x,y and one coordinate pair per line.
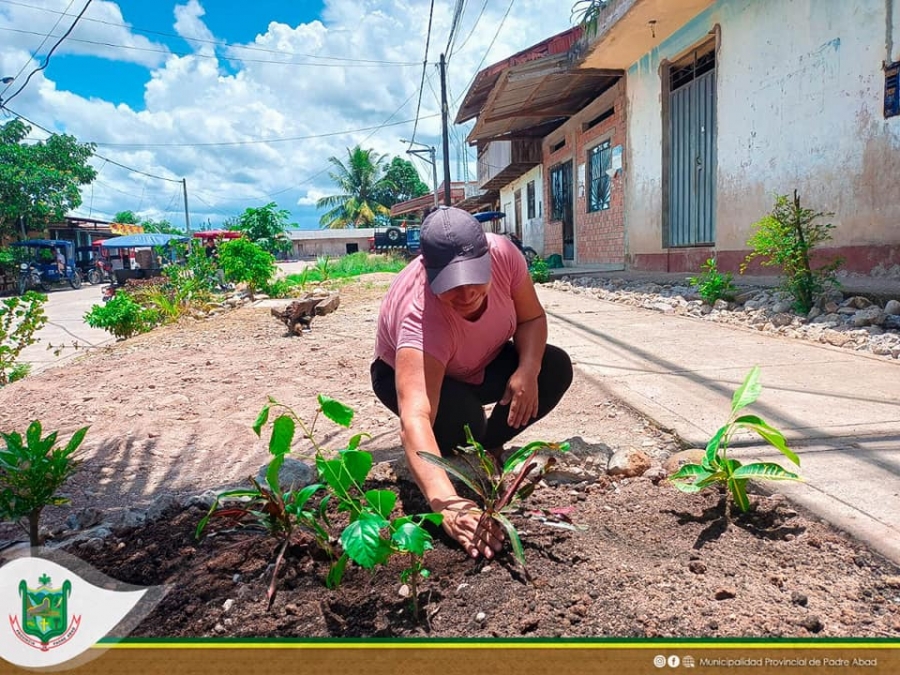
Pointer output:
x,y
60,261
461,327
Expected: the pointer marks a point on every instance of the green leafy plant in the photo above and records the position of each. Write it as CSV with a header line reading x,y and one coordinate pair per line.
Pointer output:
x,y
586,13
539,271
31,471
322,267
246,262
20,318
122,317
718,468
786,239
193,281
501,486
712,285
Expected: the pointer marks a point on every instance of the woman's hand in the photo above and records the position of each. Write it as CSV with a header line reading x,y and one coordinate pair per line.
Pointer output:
x,y
464,521
522,396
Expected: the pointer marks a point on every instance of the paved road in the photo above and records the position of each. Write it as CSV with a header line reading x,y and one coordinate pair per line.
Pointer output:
x,y
65,328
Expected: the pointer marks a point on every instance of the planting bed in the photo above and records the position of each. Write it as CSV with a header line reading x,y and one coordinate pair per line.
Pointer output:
x,y
171,414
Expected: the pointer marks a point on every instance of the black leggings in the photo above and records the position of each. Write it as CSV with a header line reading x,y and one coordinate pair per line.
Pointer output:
x,y
462,403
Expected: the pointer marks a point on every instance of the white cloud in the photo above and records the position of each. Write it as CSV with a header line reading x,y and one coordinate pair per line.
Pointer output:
x,y
312,90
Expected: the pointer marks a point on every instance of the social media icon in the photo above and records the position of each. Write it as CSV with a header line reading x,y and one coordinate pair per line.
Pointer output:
x,y
688,662
659,661
674,661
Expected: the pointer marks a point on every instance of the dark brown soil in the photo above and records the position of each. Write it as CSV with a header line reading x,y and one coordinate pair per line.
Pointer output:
x,y
652,562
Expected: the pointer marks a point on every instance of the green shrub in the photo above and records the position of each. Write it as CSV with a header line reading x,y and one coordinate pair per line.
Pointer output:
x,y
246,262
539,271
20,318
712,285
122,317
31,471
785,238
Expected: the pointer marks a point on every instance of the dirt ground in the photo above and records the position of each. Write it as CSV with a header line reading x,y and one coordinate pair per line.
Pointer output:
x,y
170,412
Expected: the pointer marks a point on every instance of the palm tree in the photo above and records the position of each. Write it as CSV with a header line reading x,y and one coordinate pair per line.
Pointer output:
x,y
359,182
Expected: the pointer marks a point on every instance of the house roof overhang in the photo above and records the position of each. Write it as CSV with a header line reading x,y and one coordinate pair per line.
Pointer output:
x,y
628,29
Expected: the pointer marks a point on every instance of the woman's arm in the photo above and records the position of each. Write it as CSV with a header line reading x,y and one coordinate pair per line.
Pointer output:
x,y
419,378
530,340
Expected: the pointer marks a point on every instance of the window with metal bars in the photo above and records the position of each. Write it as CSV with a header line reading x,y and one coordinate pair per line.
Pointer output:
x,y
687,70
559,190
530,196
599,183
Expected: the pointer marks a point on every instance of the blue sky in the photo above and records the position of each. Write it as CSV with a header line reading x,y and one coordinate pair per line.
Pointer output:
x,y
246,101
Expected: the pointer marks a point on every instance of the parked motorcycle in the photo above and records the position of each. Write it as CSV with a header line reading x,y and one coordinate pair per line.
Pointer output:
x,y
100,274
30,279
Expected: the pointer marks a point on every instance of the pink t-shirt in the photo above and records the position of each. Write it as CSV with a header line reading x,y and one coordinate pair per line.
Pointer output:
x,y
412,316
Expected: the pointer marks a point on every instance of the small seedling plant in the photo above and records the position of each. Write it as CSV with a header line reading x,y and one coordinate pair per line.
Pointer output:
x,y
32,469
712,284
718,468
500,487
370,538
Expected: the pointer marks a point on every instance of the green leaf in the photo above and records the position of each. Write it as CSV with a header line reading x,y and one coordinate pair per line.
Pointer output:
x,y
261,419
470,481
336,411
764,471
712,448
382,501
354,442
33,435
681,479
748,392
357,463
282,435
412,538
336,573
304,495
272,473
522,454
769,434
690,471
739,492
362,540
513,536
76,440
335,475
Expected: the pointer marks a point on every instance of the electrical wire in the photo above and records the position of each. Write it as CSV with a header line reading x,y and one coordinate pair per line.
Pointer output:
x,y
486,52
111,161
35,52
50,53
454,24
218,43
424,68
170,52
474,26
253,142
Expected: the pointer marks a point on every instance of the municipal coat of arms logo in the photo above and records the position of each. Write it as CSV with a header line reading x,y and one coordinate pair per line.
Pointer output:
x,y
44,622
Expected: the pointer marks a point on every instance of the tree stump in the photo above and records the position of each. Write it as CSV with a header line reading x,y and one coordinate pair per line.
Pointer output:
x,y
298,315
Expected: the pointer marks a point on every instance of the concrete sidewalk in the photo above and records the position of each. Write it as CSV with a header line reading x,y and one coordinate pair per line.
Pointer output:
x,y
839,410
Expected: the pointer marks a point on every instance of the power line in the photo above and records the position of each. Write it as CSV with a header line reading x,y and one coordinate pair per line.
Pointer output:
x,y
35,52
111,161
424,67
169,52
218,43
454,24
486,52
474,26
50,53
254,142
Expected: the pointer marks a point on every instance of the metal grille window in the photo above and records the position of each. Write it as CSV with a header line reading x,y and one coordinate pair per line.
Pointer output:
x,y
599,160
559,190
530,198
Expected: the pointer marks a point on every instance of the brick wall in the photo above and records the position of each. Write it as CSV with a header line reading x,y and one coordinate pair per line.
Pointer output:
x,y
599,235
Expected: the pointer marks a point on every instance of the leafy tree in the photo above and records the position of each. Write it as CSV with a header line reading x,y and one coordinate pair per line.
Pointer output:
x,y
266,226
244,261
39,182
359,182
155,226
401,182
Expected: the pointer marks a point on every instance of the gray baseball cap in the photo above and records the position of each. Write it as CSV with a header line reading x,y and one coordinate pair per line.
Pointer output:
x,y
454,249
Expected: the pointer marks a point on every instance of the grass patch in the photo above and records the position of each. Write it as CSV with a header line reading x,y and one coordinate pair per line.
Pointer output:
x,y
352,265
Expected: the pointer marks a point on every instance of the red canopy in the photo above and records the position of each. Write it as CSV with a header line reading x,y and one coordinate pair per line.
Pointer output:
x,y
218,234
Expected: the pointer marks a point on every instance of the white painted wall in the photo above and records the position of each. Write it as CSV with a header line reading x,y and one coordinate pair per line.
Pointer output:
x,y
532,229
800,97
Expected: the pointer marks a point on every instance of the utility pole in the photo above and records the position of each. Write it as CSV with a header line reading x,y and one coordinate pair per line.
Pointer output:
x,y
430,149
446,139
187,216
